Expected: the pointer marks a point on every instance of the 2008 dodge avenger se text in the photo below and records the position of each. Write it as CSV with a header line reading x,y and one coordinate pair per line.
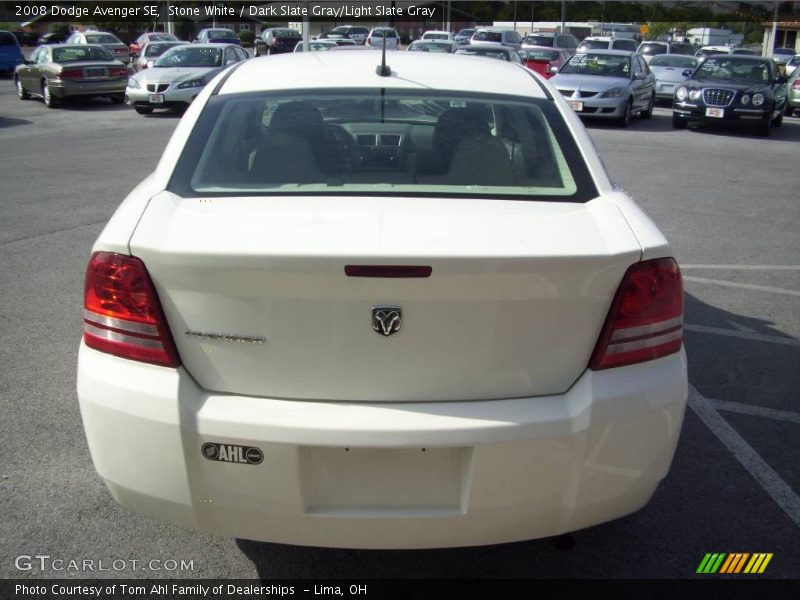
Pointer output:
x,y
381,308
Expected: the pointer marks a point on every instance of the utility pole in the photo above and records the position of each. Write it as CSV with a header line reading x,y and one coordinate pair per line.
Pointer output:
x,y
563,15
306,27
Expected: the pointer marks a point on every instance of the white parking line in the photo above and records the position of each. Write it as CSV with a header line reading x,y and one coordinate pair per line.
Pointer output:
x,y
746,267
746,286
784,496
746,335
757,411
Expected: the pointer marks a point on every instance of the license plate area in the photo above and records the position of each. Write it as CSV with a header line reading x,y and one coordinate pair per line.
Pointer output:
x,y
362,482
156,98
95,72
715,112
576,105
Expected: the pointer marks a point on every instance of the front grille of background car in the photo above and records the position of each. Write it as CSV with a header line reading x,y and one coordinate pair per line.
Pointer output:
x,y
716,97
157,88
567,92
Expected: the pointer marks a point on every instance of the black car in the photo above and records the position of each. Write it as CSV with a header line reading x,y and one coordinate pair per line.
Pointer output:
x,y
277,40
731,88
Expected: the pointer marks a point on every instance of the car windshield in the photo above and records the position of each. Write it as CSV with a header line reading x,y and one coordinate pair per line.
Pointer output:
x,y
489,52
102,38
604,65
435,36
316,46
158,48
162,37
79,53
731,68
539,54
539,40
678,61
487,36
358,142
422,46
191,56
340,30
220,34
652,49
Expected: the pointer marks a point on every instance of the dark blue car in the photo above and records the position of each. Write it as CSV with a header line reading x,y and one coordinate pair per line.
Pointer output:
x,y
10,52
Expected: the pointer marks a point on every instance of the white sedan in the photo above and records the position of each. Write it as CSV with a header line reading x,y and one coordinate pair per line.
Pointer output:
x,y
381,308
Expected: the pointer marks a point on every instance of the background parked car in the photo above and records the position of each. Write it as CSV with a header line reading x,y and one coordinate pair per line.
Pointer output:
x,y
463,36
107,40
378,34
276,40
709,50
150,52
650,49
782,55
492,36
10,52
607,43
669,71
558,41
545,61
146,38
731,88
793,92
792,64
54,37
352,32
217,35
490,51
441,46
609,84
442,36
316,45
179,75
61,71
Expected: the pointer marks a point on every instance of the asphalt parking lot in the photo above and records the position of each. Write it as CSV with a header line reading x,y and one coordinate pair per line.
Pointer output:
x,y
726,199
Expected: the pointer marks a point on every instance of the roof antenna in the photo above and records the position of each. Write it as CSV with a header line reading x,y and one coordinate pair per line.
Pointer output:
x,y
383,69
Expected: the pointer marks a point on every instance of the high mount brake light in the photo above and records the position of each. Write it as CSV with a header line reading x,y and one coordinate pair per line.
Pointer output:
x,y
122,314
645,320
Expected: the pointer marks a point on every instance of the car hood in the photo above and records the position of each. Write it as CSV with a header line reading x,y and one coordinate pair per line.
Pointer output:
x,y
738,86
589,83
171,74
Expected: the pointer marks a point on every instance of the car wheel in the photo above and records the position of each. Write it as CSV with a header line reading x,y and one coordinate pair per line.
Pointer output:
x,y
143,110
49,99
677,122
118,99
647,113
625,119
765,127
21,92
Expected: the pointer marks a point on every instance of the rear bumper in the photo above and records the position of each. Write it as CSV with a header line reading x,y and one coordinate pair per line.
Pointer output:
x,y
400,475
64,89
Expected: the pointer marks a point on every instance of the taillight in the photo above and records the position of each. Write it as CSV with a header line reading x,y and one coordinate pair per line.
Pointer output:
x,y
122,315
118,72
796,84
645,320
71,74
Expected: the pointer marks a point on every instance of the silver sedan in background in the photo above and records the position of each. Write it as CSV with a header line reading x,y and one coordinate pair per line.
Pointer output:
x,y
178,76
150,53
611,84
668,69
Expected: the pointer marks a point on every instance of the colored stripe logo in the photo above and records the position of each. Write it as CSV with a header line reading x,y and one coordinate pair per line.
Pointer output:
x,y
734,563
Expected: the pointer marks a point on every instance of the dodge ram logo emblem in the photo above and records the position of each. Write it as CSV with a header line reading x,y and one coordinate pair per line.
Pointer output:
x,y
386,320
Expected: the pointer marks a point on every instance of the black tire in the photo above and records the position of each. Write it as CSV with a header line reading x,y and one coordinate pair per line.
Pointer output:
x,y
118,99
625,119
49,100
21,91
677,122
646,114
143,110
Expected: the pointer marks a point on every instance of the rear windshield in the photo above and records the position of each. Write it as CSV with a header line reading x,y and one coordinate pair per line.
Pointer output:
x,y
220,34
487,36
101,38
539,54
627,45
75,54
7,39
389,33
382,142
286,33
593,45
678,61
539,40
436,36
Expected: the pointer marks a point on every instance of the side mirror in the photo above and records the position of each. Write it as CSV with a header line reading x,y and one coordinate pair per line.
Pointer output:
x,y
687,73
639,76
